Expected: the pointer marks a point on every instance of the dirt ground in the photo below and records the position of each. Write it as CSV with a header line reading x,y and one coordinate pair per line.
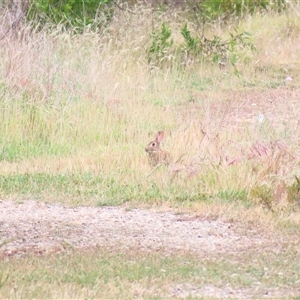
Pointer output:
x,y
46,228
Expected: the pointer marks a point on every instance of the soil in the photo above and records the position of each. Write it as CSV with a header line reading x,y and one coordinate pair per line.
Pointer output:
x,y
35,227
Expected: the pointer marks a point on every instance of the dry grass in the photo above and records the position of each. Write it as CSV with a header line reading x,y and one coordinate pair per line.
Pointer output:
x,y
88,104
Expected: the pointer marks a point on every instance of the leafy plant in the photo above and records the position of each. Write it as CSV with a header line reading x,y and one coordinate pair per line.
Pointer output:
x,y
161,45
196,49
192,45
216,50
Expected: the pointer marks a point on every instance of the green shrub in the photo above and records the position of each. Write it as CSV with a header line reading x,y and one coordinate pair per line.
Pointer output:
x,y
218,49
72,14
224,8
196,49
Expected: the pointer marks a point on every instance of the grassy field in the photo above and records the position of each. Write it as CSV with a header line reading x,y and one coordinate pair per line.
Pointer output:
x,y
78,111
101,274
76,114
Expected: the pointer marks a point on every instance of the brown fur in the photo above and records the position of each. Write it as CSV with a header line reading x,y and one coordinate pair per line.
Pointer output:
x,y
155,154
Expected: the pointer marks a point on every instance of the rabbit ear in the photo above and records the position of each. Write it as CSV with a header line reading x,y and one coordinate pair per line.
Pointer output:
x,y
160,136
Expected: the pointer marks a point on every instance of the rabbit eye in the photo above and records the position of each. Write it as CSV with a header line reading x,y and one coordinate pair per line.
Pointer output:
x,y
153,144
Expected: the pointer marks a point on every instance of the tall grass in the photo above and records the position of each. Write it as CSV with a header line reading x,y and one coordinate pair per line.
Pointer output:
x,y
78,110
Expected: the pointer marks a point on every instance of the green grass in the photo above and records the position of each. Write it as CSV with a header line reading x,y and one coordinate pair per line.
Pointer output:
x,y
101,274
89,188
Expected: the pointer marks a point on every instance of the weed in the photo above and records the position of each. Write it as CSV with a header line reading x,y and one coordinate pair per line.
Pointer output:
x,y
263,195
159,51
216,50
197,49
293,193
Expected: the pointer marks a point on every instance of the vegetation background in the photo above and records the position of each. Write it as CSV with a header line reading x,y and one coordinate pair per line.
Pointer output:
x,y
85,85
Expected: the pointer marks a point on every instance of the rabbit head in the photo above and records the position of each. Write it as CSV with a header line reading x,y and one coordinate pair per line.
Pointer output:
x,y
155,154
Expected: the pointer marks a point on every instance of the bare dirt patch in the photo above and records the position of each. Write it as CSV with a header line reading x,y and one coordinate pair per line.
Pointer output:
x,y
34,227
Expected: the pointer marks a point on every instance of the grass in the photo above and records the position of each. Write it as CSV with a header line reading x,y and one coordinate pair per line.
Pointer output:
x,y
94,189
75,107
101,274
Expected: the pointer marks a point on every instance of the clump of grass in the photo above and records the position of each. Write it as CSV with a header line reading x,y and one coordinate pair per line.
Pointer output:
x,y
293,193
263,194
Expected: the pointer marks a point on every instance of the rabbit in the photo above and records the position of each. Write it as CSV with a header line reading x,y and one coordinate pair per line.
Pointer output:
x,y
157,155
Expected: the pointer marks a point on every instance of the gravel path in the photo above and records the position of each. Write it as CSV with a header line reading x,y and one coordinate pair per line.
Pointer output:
x,y
34,227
